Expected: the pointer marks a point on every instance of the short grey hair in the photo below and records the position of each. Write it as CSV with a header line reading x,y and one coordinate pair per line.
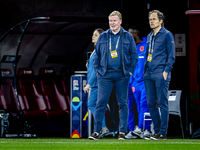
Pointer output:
x,y
116,13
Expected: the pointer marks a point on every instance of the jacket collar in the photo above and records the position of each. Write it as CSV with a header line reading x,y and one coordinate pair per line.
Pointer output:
x,y
162,29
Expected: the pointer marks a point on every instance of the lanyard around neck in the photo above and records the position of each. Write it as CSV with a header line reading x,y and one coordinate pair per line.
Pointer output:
x,y
151,43
116,43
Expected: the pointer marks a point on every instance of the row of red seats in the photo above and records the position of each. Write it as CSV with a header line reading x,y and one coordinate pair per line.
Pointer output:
x,y
47,103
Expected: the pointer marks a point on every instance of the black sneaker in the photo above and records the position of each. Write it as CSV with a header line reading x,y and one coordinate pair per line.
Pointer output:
x,y
155,137
162,137
121,136
93,136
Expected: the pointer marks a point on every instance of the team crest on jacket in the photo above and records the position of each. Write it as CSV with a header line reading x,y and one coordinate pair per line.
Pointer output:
x,y
141,48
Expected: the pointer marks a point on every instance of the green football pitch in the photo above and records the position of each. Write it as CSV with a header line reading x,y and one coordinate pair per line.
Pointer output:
x,y
103,144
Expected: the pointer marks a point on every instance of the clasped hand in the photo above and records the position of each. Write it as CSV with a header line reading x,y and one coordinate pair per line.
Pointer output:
x,y
86,88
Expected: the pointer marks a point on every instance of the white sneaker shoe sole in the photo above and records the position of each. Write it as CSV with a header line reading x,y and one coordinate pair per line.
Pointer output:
x,y
131,137
121,139
92,138
147,138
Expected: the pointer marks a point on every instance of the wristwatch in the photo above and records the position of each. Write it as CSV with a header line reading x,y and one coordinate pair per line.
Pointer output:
x,y
97,73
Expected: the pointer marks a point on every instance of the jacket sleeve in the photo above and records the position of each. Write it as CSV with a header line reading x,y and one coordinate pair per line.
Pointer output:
x,y
92,79
96,60
133,54
170,52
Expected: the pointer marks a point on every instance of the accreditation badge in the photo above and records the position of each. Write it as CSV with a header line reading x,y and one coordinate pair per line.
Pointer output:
x,y
113,54
149,58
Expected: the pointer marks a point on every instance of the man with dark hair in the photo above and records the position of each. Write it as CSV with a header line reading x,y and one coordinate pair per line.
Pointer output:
x,y
160,56
114,61
160,16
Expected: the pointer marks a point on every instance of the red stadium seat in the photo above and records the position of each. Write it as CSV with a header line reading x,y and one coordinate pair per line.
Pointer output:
x,y
3,106
56,101
35,107
66,74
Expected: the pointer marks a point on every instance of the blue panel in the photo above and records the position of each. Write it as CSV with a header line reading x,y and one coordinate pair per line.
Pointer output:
x,y
79,109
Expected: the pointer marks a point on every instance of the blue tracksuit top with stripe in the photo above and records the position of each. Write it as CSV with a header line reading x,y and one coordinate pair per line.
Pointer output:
x,y
163,56
141,51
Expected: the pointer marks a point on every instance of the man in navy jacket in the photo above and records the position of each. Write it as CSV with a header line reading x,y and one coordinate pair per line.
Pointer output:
x,y
114,61
160,56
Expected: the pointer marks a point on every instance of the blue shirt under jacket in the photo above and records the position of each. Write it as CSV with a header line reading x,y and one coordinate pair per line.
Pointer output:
x,y
115,64
163,56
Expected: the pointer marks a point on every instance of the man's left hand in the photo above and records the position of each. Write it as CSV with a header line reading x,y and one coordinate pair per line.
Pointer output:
x,y
165,75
